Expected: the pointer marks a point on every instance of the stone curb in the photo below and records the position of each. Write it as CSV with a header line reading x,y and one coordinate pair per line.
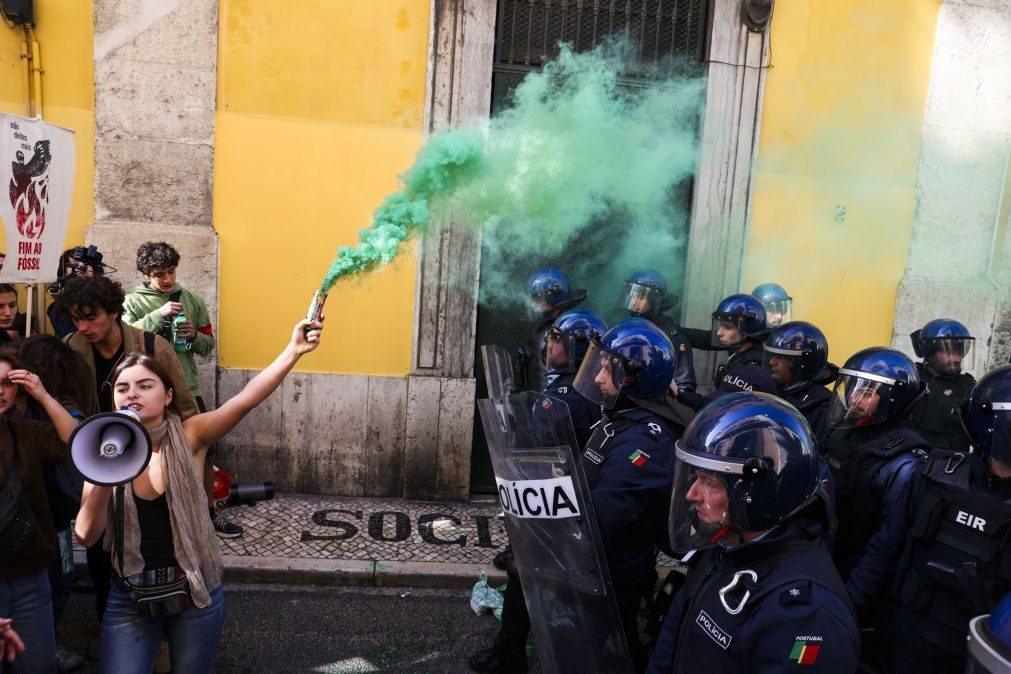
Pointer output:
x,y
345,572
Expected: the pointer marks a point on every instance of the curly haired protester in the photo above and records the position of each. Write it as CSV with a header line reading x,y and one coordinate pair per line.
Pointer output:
x,y
156,526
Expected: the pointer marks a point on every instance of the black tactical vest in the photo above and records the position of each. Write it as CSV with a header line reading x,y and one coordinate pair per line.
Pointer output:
x,y
752,356
937,417
711,623
954,566
855,457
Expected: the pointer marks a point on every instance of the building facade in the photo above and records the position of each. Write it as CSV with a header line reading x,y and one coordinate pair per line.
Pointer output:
x,y
855,152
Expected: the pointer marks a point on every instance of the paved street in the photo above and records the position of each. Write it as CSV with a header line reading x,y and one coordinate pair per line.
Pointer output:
x,y
331,630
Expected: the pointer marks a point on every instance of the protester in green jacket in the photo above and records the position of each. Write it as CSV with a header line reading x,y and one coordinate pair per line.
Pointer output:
x,y
154,306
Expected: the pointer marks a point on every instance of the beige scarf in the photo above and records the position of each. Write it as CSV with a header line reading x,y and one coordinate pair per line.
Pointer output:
x,y
196,545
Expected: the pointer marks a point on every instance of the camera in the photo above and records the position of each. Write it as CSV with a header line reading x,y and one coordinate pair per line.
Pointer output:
x,y
77,258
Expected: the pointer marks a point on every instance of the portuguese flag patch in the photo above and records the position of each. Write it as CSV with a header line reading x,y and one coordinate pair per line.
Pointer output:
x,y
804,652
638,457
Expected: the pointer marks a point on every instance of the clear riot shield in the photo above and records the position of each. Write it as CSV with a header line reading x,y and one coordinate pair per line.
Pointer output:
x,y
552,529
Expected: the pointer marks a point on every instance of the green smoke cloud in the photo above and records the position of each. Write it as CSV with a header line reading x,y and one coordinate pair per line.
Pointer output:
x,y
583,170
447,161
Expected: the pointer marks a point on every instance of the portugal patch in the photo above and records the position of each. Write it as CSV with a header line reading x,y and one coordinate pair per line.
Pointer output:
x,y
805,650
638,457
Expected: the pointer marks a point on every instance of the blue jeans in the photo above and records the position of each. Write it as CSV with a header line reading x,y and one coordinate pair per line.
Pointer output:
x,y
130,641
26,601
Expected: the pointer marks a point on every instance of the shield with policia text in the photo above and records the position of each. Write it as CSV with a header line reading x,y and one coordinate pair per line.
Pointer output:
x,y
552,527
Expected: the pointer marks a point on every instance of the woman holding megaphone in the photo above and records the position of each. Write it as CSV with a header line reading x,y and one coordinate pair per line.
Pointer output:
x,y
166,561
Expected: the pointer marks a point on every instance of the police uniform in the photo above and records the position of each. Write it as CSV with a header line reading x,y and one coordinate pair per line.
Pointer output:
x,y
873,468
955,564
684,371
629,468
584,414
743,371
938,417
766,606
813,402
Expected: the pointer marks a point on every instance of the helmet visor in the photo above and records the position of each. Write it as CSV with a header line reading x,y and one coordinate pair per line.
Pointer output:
x,y
950,355
860,399
700,506
777,312
560,352
600,376
642,299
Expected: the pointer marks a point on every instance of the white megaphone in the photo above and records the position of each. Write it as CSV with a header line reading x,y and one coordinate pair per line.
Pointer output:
x,y
111,448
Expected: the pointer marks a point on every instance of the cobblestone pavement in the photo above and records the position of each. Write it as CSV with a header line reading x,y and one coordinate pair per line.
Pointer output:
x,y
328,527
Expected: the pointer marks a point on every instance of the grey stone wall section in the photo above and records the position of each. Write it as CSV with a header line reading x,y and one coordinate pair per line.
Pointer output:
x,y
959,263
155,97
721,203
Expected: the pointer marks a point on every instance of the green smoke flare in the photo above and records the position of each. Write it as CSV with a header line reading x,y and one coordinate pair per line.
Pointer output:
x,y
447,161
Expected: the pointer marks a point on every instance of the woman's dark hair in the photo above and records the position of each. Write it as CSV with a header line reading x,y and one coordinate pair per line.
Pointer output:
x,y
89,294
144,360
153,255
62,370
11,357
8,288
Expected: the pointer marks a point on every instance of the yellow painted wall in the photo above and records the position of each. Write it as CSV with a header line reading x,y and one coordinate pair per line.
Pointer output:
x,y
835,189
320,108
65,32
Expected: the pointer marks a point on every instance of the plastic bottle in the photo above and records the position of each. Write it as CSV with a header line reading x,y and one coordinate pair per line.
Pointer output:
x,y
180,344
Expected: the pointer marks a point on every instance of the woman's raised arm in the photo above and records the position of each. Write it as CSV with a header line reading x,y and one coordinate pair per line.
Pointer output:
x,y
204,429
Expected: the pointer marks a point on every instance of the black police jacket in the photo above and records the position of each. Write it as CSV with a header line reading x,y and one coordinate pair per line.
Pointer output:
x,y
956,564
584,414
767,606
743,371
813,401
684,369
937,416
874,467
629,467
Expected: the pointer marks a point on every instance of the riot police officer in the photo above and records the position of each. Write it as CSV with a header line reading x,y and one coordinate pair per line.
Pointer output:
x,y
956,564
646,296
566,343
777,302
873,460
549,293
629,466
761,594
947,349
990,641
738,325
796,354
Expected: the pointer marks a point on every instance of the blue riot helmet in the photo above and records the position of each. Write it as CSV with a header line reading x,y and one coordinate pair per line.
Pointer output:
x,y
568,338
945,346
645,291
548,287
875,385
990,641
796,353
634,358
777,303
987,415
736,318
745,463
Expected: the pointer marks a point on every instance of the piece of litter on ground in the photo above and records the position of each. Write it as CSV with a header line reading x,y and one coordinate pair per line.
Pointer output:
x,y
406,594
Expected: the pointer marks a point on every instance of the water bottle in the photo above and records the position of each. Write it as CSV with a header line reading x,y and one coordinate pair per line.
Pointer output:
x,y
180,344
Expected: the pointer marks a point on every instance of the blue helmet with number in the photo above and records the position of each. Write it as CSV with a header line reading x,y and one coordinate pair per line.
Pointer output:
x,y
634,358
745,312
746,462
875,386
572,331
777,302
987,415
550,285
945,345
805,346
